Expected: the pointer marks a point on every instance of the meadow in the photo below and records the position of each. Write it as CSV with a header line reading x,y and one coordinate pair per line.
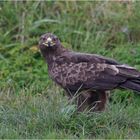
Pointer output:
x,y
31,105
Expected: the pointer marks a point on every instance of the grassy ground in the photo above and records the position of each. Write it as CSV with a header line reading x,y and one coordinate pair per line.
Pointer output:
x,y
31,106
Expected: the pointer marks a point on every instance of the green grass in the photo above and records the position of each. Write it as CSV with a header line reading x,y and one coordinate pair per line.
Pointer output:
x,y
31,106
49,115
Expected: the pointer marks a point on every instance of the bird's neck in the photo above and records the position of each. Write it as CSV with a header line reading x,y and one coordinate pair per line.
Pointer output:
x,y
51,54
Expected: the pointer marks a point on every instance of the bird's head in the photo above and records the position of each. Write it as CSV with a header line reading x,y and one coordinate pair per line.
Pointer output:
x,y
49,40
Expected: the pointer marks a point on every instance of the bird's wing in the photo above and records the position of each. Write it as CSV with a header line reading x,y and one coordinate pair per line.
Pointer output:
x,y
96,76
70,56
102,77
80,70
88,75
85,57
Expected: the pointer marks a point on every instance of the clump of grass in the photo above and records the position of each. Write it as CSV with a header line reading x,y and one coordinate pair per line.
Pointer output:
x,y
48,115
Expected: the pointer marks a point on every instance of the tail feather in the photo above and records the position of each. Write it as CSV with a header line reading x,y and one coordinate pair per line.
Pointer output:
x,y
136,81
131,85
132,77
129,72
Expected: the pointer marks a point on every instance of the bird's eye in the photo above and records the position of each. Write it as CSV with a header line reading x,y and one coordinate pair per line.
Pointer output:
x,y
43,38
54,39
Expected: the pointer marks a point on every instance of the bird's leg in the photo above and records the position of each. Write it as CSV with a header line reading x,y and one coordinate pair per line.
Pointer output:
x,y
83,101
92,100
89,100
100,101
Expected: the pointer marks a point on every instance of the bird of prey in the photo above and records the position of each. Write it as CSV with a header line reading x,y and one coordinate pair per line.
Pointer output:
x,y
89,74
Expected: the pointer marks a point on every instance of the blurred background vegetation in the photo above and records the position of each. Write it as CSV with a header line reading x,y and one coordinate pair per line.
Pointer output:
x,y
29,101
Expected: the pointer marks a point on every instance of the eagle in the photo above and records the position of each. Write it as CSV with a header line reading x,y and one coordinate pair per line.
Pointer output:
x,y
88,77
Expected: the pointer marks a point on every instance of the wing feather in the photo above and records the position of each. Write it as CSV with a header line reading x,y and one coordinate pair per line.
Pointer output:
x,y
96,76
85,57
94,71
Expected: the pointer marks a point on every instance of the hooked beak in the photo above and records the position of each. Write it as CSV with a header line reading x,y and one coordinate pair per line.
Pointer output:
x,y
49,42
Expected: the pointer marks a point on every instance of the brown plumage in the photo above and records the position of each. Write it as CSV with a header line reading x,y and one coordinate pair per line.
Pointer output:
x,y
89,74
